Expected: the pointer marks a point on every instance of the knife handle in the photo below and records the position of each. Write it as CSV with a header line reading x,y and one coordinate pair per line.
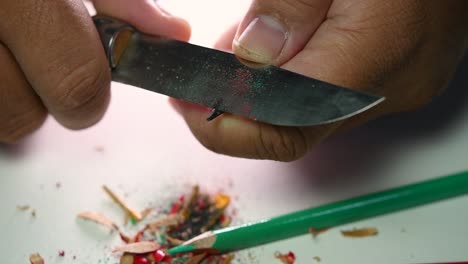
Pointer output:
x,y
115,36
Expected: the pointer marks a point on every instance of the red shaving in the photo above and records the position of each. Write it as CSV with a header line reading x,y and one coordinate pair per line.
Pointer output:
x,y
139,236
159,255
288,258
61,253
140,260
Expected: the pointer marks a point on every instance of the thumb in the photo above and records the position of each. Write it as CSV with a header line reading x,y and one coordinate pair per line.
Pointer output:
x,y
273,31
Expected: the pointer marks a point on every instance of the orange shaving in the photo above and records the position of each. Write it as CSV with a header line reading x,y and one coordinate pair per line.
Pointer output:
x,y
118,200
361,232
221,201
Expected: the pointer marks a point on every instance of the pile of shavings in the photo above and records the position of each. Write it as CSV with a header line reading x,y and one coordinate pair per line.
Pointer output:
x,y
187,217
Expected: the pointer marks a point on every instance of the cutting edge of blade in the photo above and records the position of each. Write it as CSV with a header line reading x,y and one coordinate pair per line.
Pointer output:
x,y
376,102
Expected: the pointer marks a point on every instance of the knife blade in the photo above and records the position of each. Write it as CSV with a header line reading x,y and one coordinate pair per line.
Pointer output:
x,y
219,80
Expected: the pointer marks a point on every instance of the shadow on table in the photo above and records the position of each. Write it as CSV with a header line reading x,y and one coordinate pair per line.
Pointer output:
x,y
340,161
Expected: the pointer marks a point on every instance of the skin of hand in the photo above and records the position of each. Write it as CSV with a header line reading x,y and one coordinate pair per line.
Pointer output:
x,y
404,50
52,60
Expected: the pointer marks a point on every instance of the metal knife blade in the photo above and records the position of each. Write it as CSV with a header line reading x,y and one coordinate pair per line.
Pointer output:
x,y
220,81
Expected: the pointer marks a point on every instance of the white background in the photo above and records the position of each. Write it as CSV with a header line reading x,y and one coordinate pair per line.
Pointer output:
x,y
149,154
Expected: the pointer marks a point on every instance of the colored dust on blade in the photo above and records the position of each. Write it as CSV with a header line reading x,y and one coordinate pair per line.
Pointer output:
x,y
186,218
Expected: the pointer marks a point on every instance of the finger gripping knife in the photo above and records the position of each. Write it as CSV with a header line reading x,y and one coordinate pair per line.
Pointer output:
x,y
219,80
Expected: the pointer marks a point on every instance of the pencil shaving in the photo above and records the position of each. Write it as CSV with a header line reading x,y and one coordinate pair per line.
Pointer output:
x,y
196,259
228,259
36,259
174,241
99,219
288,258
186,209
126,259
167,221
138,247
23,207
119,201
361,232
221,201
316,232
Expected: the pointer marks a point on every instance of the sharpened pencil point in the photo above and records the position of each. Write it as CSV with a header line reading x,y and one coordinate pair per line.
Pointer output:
x,y
181,249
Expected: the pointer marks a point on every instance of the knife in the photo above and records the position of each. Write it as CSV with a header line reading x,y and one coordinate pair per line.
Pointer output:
x,y
219,80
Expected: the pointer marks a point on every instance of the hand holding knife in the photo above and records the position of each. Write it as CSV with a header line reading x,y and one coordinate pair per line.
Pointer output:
x,y
218,80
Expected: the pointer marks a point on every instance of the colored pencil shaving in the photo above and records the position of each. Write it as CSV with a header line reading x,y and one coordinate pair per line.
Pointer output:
x,y
288,258
100,219
36,259
186,218
131,212
361,232
316,232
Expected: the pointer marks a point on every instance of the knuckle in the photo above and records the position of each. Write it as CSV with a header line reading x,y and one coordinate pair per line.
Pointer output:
x,y
82,87
14,127
281,144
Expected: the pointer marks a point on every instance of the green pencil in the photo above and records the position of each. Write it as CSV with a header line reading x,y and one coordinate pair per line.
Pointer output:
x,y
330,215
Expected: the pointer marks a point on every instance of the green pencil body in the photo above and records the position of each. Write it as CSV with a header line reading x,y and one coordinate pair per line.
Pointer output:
x,y
340,213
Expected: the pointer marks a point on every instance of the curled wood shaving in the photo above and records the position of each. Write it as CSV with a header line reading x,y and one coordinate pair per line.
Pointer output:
x,y
118,200
138,247
99,218
317,258
36,259
196,259
361,232
167,221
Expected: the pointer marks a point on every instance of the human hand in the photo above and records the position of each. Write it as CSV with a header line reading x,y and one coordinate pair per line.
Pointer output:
x,y
52,60
406,51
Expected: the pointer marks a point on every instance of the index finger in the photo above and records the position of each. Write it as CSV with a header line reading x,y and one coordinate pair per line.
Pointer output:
x,y
59,51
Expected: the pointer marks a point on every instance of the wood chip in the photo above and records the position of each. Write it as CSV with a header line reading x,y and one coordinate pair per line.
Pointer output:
x,y
118,200
23,207
126,259
221,201
229,258
126,238
316,232
99,219
188,202
361,232
196,259
174,241
167,221
288,258
138,247
36,259
146,212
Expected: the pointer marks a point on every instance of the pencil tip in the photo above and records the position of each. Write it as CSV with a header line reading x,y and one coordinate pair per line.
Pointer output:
x,y
181,249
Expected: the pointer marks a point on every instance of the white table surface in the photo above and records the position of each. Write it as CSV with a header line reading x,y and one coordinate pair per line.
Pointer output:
x,y
149,154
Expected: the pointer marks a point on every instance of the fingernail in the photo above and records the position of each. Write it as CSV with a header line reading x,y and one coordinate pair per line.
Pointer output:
x,y
262,40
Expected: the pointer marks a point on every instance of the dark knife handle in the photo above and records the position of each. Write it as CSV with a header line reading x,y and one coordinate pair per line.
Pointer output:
x,y
115,36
